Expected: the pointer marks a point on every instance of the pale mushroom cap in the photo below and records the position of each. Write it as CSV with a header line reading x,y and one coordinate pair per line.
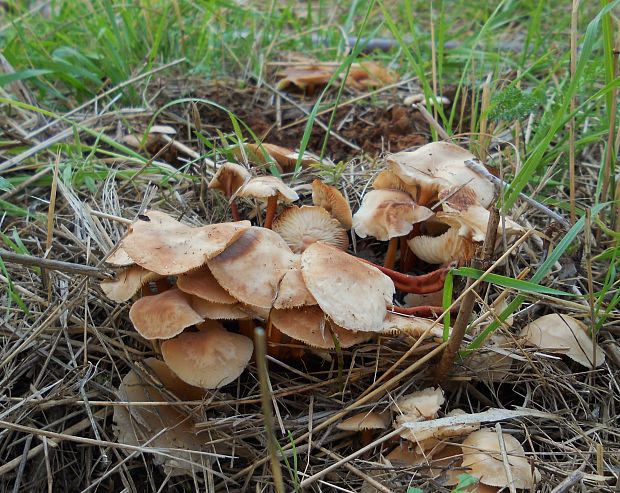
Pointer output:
x,y
251,268
423,404
386,214
286,158
364,421
442,249
229,178
218,311
127,283
330,199
354,294
386,180
482,454
119,257
163,315
310,326
412,326
472,222
440,165
443,459
168,247
430,438
201,282
263,187
565,335
302,226
293,292
208,359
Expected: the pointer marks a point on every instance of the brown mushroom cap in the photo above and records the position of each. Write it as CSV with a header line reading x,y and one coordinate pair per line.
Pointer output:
x,y
251,268
310,326
286,158
293,292
201,282
302,226
330,199
364,421
565,335
210,358
229,178
171,382
127,283
441,460
354,294
482,454
168,247
386,214
263,187
386,180
441,165
218,311
163,315
442,249
305,77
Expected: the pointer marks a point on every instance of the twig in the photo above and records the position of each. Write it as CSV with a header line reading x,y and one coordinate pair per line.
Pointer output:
x,y
261,364
59,265
15,190
467,305
566,485
431,121
481,170
502,448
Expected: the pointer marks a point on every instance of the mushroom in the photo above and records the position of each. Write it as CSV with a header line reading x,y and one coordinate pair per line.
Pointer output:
x,y
251,268
565,335
165,246
210,358
437,166
119,257
354,294
364,423
482,455
420,405
309,325
388,215
219,311
285,158
228,179
448,247
163,315
201,282
302,226
433,437
271,189
330,199
444,459
292,291
171,382
127,283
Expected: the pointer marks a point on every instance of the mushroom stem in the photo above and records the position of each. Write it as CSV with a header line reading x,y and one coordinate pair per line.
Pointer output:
x,y
272,204
390,256
233,205
407,258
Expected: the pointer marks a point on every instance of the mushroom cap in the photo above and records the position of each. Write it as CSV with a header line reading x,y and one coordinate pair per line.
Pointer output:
x,y
369,74
263,187
440,165
127,283
305,76
412,326
302,226
432,437
251,268
386,180
293,292
364,421
229,178
442,459
286,158
442,249
218,311
482,454
354,294
565,335
330,199
201,282
163,315
119,257
386,214
422,404
472,222
310,326
168,247
171,382
210,358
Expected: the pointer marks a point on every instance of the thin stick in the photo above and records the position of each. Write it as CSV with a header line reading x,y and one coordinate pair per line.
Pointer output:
x,y
431,121
15,190
502,448
467,305
571,136
260,348
59,265
50,225
567,485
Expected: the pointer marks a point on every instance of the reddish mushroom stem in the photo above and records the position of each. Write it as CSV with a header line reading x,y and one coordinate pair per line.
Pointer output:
x,y
390,256
272,204
233,204
407,258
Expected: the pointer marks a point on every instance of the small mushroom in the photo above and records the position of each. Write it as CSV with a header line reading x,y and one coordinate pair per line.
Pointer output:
x,y
292,291
365,423
210,358
565,335
168,247
119,257
482,455
163,315
330,199
443,249
353,293
271,189
420,405
127,283
388,215
201,282
302,226
442,460
219,311
285,158
228,179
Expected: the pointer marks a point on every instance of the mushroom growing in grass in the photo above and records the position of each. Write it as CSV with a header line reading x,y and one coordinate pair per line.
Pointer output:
x,y
302,226
330,199
209,358
365,424
286,159
127,282
270,189
228,179
388,215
